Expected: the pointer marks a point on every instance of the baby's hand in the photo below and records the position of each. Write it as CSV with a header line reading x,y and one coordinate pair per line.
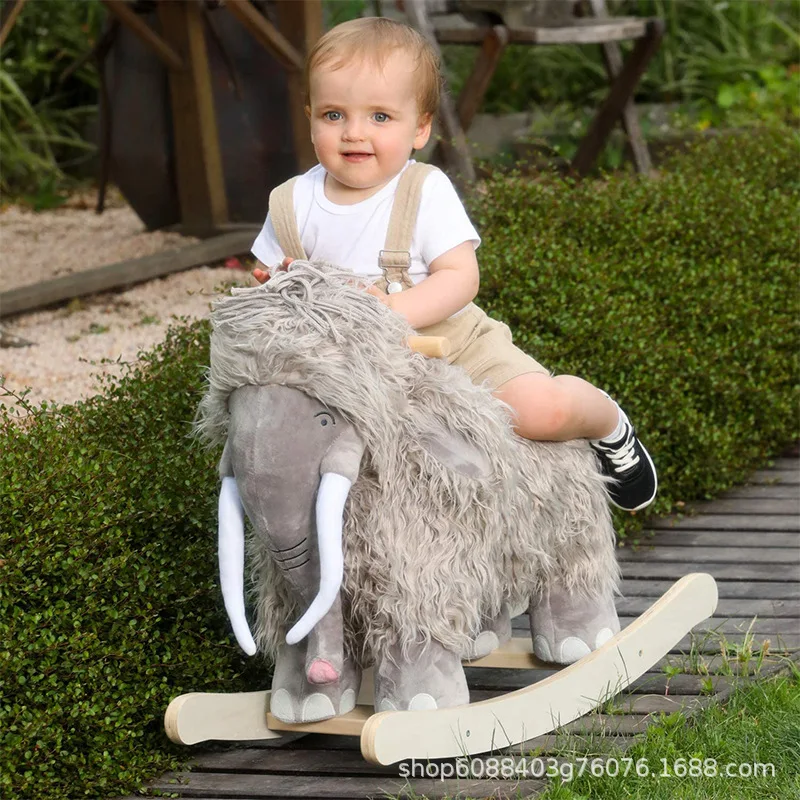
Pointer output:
x,y
382,296
262,277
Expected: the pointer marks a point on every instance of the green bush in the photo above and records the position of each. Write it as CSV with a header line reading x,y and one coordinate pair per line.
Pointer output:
x,y
109,600
678,295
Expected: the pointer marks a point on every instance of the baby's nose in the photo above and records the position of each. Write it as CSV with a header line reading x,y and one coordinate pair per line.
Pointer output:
x,y
354,130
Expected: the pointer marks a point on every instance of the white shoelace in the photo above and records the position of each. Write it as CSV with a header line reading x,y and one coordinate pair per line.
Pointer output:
x,y
623,457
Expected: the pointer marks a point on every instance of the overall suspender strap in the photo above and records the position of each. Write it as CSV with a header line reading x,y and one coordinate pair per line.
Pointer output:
x,y
395,258
281,212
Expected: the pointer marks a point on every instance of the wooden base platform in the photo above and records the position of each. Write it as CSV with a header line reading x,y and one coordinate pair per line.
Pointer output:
x,y
481,726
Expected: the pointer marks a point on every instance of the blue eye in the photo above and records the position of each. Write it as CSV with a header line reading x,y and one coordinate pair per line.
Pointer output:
x,y
380,116
333,116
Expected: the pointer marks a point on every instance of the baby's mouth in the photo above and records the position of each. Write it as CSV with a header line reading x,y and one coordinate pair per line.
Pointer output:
x,y
356,156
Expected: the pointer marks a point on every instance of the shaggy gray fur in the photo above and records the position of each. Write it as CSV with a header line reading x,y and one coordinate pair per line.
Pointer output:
x,y
428,550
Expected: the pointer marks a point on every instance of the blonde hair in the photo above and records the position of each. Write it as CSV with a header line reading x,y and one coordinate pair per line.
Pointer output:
x,y
376,38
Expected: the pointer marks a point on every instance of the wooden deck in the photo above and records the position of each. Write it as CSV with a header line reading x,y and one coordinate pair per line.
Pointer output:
x,y
749,540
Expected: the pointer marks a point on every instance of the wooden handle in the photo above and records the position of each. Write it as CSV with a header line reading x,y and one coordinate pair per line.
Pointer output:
x,y
430,346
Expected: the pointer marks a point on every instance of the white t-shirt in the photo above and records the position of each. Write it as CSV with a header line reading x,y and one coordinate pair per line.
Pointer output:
x,y
352,236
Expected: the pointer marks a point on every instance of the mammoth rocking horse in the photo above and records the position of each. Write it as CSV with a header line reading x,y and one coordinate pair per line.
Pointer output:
x,y
395,520
396,524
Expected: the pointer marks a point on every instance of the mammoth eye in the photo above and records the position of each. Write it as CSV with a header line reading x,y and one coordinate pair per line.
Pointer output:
x,y
325,418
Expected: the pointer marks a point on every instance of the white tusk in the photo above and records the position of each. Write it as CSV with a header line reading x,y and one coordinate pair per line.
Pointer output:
x,y
331,497
231,561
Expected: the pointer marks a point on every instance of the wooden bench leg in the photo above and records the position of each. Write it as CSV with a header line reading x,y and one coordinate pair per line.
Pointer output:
x,y
476,85
619,95
474,90
630,119
198,162
612,59
454,143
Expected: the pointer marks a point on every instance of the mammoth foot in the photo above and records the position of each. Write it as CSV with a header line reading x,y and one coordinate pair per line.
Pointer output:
x,y
567,626
495,631
429,677
296,699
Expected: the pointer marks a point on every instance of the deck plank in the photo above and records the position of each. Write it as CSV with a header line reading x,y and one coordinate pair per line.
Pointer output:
x,y
657,683
324,787
728,589
732,522
672,570
789,476
764,491
654,553
734,607
748,505
703,538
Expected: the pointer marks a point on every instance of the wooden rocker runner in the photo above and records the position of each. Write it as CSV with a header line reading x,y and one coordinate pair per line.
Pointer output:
x,y
480,727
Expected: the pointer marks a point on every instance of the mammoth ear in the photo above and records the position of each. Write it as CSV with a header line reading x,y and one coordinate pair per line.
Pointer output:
x,y
455,451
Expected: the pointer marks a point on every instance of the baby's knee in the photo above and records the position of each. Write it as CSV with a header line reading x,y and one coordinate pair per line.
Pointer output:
x,y
543,407
553,409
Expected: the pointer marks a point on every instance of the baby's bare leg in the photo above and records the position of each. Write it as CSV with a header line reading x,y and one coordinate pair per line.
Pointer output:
x,y
558,408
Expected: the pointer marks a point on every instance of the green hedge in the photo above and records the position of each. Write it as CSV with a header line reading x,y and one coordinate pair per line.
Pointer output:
x,y
679,295
109,599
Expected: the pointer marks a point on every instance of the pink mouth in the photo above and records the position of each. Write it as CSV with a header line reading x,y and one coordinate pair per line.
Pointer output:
x,y
356,158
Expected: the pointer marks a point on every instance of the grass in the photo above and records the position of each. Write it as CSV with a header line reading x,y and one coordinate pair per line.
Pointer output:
x,y
757,732
746,748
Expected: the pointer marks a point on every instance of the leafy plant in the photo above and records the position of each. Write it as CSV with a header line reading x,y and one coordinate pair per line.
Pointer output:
x,y
338,11
707,43
773,95
109,604
42,119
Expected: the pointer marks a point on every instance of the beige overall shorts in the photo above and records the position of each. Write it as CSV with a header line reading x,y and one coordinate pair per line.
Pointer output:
x,y
479,344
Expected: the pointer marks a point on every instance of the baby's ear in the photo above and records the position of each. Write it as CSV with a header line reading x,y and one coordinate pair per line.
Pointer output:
x,y
423,131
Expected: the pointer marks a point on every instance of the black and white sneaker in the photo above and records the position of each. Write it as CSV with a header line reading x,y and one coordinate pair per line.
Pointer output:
x,y
635,480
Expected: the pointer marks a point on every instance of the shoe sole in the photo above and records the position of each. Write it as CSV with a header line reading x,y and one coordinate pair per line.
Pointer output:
x,y
655,488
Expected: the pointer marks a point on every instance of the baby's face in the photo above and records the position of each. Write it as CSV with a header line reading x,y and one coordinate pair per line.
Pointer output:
x,y
364,124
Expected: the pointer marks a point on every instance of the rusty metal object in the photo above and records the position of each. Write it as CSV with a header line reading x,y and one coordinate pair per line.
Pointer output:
x,y
251,100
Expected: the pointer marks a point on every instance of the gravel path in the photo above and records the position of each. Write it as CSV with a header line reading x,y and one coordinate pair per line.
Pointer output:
x,y
114,325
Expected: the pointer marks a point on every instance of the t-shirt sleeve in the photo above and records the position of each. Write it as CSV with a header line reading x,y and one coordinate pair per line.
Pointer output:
x,y
266,248
442,221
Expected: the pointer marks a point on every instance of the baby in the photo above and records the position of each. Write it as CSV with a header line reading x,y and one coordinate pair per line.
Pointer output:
x,y
372,91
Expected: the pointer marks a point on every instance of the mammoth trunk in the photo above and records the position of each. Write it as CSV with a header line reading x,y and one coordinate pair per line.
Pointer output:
x,y
315,575
294,460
